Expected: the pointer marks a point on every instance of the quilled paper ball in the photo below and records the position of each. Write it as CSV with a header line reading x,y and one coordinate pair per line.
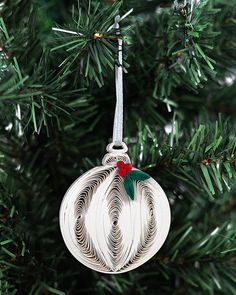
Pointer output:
x,y
113,221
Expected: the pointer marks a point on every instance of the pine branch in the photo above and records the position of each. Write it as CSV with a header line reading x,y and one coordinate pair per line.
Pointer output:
x,y
226,45
92,47
14,255
183,46
203,159
41,94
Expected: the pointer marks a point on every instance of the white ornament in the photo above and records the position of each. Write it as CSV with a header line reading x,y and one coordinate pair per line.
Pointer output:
x,y
114,218
104,228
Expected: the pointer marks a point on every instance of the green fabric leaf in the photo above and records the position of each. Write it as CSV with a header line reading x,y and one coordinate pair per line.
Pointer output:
x,y
138,175
129,187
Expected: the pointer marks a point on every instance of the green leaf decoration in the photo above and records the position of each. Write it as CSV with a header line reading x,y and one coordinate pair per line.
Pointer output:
x,y
138,175
128,181
129,187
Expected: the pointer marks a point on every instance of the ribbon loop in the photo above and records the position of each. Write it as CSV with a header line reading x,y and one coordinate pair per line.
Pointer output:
x,y
118,118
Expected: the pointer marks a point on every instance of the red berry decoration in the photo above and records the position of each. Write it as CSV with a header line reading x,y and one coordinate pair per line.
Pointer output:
x,y
123,168
122,172
129,175
128,166
120,165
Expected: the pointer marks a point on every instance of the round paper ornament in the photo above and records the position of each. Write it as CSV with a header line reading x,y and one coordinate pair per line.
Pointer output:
x,y
115,217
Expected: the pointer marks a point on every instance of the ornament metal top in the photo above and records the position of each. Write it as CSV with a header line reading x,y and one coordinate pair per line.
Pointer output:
x,y
115,217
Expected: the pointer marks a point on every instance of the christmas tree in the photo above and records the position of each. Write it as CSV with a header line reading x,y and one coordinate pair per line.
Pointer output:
x,y
57,97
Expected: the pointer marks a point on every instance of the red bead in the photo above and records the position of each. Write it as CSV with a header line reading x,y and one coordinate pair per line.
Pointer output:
x,y
120,164
122,172
128,166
